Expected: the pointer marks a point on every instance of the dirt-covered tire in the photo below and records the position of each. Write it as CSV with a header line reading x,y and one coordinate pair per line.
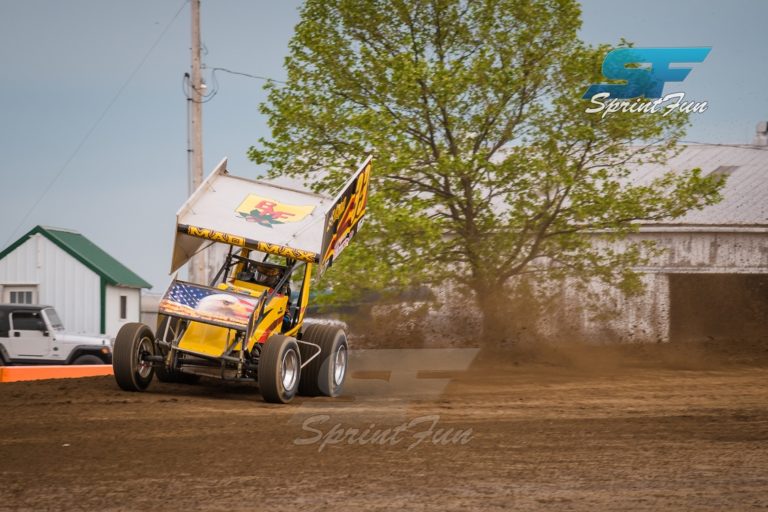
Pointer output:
x,y
88,359
132,341
279,369
325,374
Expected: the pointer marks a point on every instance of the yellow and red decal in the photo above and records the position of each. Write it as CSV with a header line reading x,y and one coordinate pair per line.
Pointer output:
x,y
344,218
269,212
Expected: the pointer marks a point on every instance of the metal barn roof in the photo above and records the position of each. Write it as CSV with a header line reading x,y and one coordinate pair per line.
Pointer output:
x,y
87,253
745,195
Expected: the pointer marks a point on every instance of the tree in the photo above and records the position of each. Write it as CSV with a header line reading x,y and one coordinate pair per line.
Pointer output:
x,y
486,164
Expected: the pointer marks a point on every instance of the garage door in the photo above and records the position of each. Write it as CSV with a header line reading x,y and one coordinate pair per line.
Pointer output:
x,y
718,306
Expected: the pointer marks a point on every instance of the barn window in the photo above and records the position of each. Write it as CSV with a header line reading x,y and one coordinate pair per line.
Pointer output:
x,y
123,307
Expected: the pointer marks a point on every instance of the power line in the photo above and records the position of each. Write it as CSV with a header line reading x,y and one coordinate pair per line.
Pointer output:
x,y
257,77
95,125
213,87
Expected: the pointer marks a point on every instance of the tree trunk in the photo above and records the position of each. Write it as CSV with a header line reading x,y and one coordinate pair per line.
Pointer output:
x,y
495,313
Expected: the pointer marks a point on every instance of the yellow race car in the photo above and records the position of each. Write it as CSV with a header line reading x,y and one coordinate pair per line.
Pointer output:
x,y
247,324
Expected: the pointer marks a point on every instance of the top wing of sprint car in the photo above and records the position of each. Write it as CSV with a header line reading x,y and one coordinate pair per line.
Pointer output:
x,y
269,218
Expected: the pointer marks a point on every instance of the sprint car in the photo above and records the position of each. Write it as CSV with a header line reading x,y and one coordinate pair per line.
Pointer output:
x,y
247,324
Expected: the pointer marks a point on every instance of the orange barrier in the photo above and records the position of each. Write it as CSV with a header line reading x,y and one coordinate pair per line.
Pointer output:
x,y
19,373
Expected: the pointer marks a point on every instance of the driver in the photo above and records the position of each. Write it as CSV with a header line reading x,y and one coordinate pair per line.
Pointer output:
x,y
266,275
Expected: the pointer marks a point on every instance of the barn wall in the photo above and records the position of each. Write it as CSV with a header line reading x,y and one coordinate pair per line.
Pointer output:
x,y
603,314
113,322
646,318
62,281
711,252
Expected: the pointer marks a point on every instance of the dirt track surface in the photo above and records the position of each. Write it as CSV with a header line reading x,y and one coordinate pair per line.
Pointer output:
x,y
579,433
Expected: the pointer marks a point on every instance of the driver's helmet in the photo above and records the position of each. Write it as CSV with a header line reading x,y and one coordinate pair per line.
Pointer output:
x,y
269,276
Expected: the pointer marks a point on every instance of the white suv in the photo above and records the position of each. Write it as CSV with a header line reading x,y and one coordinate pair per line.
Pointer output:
x,y
33,334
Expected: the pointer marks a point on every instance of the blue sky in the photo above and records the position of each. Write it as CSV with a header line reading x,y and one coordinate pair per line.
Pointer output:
x,y
64,62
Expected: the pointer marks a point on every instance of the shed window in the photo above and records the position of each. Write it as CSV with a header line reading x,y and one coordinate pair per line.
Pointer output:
x,y
123,307
20,294
21,297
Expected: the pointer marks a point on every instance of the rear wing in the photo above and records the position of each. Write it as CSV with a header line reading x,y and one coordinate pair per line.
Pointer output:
x,y
270,218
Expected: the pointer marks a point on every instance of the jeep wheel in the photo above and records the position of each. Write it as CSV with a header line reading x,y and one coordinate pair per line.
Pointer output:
x,y
279,369
88,359
325,374
133,342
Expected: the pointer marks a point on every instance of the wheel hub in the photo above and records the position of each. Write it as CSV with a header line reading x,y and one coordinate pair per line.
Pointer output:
x,y
144,367
340,365
290,369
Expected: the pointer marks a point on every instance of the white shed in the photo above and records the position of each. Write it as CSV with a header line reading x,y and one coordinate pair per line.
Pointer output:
x,y
91,290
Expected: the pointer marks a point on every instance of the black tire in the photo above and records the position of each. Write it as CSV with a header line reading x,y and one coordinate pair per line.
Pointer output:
x,y
133,340
279,369
88,359
320,377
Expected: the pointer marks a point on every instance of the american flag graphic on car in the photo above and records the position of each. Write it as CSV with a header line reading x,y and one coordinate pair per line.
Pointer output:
x,y
207,304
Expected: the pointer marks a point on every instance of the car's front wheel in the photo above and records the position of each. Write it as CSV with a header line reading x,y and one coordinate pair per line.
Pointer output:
x,y
134,342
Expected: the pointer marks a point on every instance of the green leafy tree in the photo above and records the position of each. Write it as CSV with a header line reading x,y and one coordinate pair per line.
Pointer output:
x,y
487,166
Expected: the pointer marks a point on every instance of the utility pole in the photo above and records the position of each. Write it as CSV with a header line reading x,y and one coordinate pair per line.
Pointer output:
x,y
197,266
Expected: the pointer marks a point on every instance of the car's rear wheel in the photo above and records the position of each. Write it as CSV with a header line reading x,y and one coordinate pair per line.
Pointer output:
x,y
133,343
326,373
88,359
279,369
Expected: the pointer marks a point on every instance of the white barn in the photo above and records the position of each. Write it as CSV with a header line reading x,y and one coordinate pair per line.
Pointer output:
x,y
91,290
711,282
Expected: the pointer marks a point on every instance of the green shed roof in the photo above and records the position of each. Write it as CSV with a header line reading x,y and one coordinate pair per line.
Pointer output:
x,y
87,253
